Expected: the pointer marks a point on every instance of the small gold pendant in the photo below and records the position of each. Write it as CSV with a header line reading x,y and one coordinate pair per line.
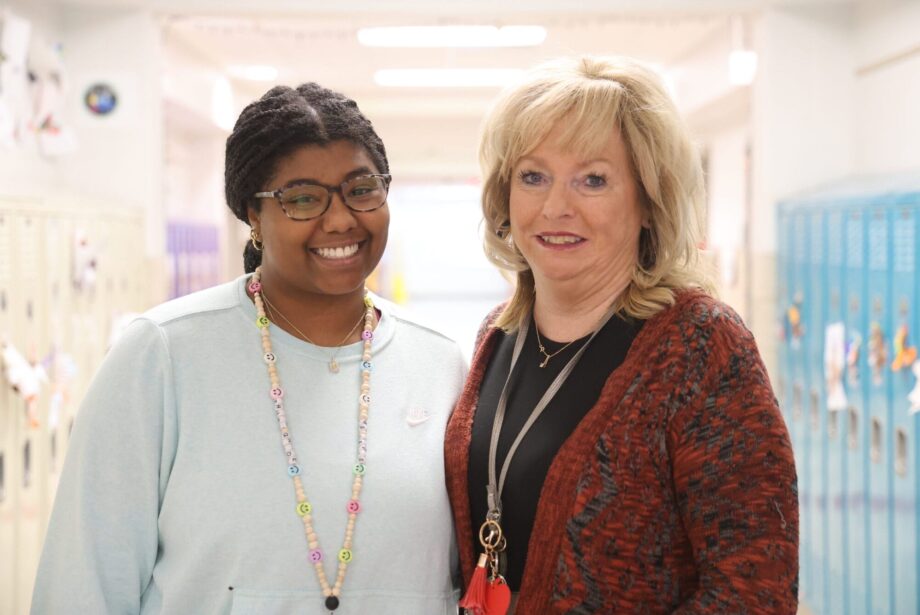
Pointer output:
x,y
333,366
545,361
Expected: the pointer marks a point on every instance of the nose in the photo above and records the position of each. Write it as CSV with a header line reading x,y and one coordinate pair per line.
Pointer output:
x,y
338,218
557,203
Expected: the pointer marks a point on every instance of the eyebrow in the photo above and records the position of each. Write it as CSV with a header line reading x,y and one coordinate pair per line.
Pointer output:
x,y
356,172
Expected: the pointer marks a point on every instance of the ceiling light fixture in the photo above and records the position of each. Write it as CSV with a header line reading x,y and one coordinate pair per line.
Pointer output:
x,y
254,73
452,36
742,60
445,77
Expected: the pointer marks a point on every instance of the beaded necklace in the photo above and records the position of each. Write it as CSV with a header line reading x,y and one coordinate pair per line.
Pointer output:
x,y
304,509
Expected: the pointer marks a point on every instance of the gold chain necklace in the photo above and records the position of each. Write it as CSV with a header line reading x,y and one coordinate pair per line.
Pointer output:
x,y
333,365
543,348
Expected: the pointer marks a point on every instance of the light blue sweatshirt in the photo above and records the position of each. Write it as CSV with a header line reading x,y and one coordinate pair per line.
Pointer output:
x,y
175,488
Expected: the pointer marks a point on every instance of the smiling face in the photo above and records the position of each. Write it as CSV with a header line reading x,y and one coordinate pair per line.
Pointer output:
x,y
576,219
329,255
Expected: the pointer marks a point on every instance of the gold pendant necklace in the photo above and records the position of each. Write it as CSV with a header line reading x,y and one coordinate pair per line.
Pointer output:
x,y
543,348
333,364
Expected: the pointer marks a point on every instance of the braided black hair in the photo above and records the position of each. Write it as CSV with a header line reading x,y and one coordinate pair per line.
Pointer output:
x,y
272,127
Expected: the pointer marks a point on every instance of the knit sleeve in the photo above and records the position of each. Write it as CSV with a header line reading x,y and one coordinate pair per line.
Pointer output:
x,y
735,483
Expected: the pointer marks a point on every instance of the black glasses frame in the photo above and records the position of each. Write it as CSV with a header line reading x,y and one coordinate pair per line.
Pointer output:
x,y
330,190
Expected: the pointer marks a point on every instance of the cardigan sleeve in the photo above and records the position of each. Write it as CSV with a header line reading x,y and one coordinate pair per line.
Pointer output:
x,y
735,482
101,543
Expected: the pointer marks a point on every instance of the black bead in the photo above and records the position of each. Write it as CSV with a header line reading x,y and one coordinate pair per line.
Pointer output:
x,y
332,603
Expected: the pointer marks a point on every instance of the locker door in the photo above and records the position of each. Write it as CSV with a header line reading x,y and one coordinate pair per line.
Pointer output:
x,y
879,355
903,308
857,432
784,283
835,407
799,379
816,442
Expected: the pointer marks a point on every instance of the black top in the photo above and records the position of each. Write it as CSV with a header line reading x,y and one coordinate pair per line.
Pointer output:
x,y
537,450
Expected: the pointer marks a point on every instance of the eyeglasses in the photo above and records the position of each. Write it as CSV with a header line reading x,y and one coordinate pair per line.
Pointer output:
x,y
308,200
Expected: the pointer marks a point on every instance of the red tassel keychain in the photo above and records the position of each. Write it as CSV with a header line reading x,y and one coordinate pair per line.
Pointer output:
x,y
474,600
488,593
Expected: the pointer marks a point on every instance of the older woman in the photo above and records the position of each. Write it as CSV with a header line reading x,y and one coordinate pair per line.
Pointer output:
x,y
617,447
254,448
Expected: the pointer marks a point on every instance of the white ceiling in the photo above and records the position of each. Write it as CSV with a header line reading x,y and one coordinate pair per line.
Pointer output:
x,y
325,48
427,129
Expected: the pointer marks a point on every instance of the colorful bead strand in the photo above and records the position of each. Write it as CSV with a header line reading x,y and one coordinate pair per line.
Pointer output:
x,y
303,508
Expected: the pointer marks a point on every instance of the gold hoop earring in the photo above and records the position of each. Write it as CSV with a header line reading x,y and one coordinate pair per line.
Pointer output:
x,y
256,242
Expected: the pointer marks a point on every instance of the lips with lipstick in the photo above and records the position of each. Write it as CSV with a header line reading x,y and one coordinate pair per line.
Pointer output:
x,y
338,252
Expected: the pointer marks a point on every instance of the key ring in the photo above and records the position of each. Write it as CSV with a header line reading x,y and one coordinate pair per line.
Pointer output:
x,y
490,535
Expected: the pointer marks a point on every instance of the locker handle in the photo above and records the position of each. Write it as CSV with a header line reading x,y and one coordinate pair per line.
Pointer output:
x,y
852,428
832,427
875,451
900,452
815,410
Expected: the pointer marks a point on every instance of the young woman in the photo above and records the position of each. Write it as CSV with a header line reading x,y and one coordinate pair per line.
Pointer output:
x,y
271,445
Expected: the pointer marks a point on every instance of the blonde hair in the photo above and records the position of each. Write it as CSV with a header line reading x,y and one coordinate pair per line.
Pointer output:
x,y
597,95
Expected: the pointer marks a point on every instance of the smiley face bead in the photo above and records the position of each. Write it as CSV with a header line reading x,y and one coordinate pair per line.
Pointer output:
x,y
354,506
345,556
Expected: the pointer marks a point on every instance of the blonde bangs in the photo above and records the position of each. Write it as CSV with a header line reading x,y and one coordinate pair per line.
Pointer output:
x,y
588,109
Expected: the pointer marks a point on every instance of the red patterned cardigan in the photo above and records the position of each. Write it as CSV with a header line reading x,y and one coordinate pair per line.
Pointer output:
x,y
677,491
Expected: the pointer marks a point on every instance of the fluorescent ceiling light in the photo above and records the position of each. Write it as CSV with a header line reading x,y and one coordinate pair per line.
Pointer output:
x,y
452,36
254,73
445,77
222,110
742,67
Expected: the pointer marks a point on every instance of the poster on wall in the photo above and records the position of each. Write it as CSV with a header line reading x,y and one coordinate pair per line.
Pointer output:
x,y
47,89
15,35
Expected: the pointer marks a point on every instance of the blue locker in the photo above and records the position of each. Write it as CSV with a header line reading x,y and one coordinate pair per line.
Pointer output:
x,y
878,353
835,407
783,384
904,217
816,440
797,318
857,432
